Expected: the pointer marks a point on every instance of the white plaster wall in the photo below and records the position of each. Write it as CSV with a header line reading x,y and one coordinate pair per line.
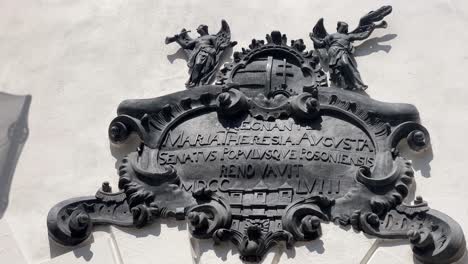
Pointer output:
x,y
80,58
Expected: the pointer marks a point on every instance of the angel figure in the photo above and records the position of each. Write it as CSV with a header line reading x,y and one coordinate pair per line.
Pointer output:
x,y
204,52
338,46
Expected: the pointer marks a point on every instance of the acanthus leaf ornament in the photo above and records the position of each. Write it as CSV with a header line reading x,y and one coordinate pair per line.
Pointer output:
x,y
266,156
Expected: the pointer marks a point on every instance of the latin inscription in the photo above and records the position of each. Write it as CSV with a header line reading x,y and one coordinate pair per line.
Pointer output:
x,y
265,149
235,138
301,187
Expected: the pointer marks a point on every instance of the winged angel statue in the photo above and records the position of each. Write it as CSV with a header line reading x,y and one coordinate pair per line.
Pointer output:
x,y
339,49
204,52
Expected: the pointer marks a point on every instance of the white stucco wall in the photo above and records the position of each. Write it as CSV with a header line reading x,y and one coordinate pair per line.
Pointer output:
x,y
80,58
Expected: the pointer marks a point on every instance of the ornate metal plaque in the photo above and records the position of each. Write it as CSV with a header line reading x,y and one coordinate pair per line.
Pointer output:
x,y
269,153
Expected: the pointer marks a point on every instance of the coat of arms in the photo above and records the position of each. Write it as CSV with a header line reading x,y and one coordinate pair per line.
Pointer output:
x,y
269,152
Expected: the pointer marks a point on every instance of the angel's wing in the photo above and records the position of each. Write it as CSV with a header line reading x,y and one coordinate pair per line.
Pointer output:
x,y
319,30
370,18
223,37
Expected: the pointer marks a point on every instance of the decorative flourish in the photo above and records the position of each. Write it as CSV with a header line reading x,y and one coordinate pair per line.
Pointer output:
x,y
232,103
306,106
210,214
253,244
70,222
151,124
302,218
435,238
416,135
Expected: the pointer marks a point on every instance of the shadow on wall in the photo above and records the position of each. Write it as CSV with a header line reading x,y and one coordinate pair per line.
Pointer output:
x,y
421,160
85,251
82,251
13,134
373,45
382,244
180,54
119,151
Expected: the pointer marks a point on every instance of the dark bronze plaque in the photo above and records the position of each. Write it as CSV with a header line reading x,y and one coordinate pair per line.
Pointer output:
x,y
269,153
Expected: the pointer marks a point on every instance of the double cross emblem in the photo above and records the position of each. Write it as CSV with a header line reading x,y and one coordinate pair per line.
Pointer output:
x,y
277,72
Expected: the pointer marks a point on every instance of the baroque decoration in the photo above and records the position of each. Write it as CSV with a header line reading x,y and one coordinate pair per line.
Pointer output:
x,y
268,153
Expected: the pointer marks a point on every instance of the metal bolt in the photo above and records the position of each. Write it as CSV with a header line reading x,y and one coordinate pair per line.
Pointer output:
x,y
419,138
373,220
115,131
418,200
413,235
310,227
194,218
180,213
106,187
311,105
224,99
315,222
82,219
118,131
365,171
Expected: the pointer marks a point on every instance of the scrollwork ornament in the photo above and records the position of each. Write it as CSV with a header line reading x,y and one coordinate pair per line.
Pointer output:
x,y
210,214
